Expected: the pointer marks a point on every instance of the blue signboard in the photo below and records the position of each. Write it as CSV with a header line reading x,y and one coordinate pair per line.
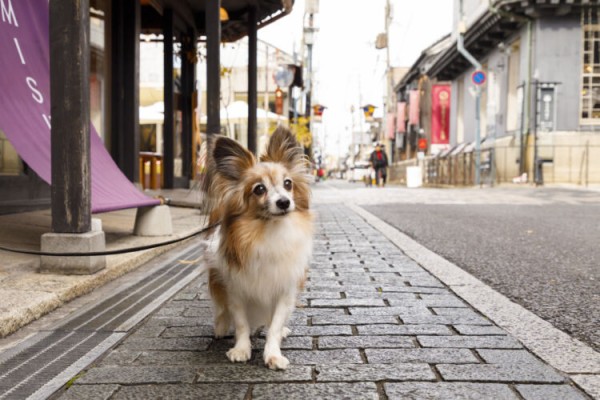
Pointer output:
x,y
478,77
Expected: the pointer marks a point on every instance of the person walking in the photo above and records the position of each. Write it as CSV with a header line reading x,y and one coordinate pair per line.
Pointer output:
x,y
379,162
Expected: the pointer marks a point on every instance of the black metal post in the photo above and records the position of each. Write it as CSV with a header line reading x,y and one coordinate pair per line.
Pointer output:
x,y
213,68
125,134
70,111
252,78
536,177
169,99
187,83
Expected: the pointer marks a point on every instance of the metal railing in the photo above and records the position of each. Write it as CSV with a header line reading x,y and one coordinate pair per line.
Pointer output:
x,y
577,164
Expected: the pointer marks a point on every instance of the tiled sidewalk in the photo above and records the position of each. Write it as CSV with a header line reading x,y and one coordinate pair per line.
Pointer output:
x,y
373,325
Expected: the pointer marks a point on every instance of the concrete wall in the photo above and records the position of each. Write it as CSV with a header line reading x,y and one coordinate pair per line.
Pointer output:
x,y
557,57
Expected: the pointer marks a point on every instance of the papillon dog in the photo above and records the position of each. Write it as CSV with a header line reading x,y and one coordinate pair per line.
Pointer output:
x,y
262,247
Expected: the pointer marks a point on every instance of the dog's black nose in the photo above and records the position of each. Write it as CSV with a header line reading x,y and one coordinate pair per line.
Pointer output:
x,y
283,204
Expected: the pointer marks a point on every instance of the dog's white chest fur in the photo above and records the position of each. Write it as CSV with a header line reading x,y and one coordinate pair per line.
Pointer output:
x,y
276,265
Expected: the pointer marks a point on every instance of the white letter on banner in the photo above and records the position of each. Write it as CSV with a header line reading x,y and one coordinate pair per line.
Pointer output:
x,y
47,119
19,50
37,95
8,14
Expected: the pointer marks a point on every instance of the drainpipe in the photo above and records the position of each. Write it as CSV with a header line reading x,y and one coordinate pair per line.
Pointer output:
x,y
527,88
460,46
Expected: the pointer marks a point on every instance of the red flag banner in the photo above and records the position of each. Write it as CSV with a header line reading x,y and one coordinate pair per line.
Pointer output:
x,y
389,131
440,114
401,117
413,111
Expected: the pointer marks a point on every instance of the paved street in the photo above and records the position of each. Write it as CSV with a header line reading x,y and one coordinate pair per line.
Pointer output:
x,y
539,247
373,325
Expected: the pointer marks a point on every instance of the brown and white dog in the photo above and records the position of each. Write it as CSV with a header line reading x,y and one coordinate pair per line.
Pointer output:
x,y
263,246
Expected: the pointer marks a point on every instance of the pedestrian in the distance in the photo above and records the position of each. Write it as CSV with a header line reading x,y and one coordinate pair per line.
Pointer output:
x,y
379,162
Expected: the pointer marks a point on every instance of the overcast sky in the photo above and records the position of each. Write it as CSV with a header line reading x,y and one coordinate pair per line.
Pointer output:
x,y
349,71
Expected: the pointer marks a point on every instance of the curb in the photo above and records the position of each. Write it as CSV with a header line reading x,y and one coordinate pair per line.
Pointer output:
x,y
570,356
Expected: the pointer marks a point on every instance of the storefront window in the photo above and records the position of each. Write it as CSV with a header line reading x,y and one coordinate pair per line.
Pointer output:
x,y
10,162
97,65
590,87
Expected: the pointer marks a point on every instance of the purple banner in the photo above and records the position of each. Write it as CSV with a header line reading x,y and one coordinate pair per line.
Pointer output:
x,y
25,105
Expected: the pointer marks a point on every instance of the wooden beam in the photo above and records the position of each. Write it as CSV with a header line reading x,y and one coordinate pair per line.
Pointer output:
x,y
125,78
252,78
70,111
169,99
213,67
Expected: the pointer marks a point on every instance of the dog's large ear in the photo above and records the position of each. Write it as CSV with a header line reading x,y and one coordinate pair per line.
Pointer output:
x,y
231,159
283,148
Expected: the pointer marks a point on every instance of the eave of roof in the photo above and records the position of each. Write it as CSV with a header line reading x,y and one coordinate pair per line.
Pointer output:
x,y
191,14
496,25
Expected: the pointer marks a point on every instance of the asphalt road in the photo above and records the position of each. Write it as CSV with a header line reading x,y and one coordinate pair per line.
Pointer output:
x,y
546,258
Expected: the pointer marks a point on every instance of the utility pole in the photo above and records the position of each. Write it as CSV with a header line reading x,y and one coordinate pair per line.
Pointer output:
x,y
388,71
461,49
312,8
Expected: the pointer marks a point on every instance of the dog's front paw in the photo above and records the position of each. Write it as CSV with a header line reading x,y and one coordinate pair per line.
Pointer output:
x,y
276,361
237,354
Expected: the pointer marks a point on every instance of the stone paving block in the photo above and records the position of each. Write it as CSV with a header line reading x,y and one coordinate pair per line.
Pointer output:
x,y
189,331
470,342
549,392
314,357
313,312
297,320
149,330
194,343
311,295
185,296
413,308
425,329
170,311
178,321
121,357
479,330
319,286
525,373
446,319
348,303
322,330
202,313
183,392
353,319
374,372
78,392
420,355
589,383
364,342
355,280
321,391
414,289
448,391
249,373
375,294
192,358
450,302
323,273
258,343
138,375
508,357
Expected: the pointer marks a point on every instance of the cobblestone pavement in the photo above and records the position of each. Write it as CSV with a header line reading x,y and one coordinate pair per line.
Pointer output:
x,y
373,325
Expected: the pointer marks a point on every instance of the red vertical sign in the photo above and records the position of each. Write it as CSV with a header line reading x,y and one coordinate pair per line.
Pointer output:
x,y
413,107
440,114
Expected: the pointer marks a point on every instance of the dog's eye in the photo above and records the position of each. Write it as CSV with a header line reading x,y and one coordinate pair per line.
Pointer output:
x,y
287,184
259,189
